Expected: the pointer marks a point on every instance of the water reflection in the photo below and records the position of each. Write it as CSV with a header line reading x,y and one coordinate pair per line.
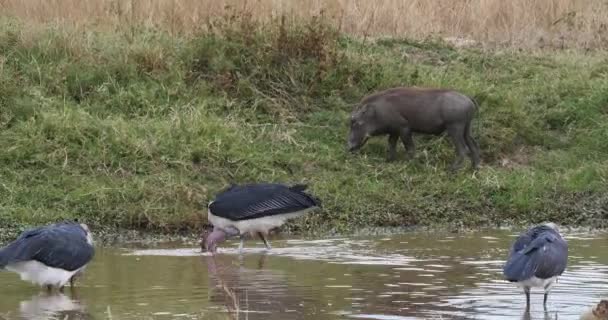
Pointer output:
x,y
254,293
546,316
49,306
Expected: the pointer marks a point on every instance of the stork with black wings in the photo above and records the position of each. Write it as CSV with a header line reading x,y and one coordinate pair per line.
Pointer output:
x,y
51,255
255,209
537,258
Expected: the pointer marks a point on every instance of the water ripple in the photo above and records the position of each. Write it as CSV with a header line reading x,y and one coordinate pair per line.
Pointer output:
x,y
412,276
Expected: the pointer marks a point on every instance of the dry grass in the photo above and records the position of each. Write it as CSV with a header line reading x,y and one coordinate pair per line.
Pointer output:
x,y
517,23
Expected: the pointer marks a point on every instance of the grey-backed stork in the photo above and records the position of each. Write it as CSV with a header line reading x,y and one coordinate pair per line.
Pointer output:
x,y
255,209
536,259
51,255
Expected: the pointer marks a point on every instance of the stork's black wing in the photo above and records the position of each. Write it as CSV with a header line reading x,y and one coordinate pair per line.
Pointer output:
x,y
544,257
522,241
59,246
253,201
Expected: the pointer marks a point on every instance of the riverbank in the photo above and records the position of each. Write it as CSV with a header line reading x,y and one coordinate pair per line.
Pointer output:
x,y
136,128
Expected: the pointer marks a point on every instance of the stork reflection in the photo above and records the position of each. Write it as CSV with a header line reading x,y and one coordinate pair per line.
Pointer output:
x,y
252,293
53,306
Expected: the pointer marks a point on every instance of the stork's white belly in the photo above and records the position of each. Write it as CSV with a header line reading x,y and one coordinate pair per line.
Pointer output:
x,y
40,274
263,224
535,282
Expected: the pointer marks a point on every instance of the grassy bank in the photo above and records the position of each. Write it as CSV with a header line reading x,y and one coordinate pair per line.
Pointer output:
x,y
136,128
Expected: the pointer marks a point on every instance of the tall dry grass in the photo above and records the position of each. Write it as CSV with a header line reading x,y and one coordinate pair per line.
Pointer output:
x,y
519,23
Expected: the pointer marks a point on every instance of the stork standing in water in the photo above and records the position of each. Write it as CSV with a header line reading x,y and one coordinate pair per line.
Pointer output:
x,y
51,255
255,209
537,258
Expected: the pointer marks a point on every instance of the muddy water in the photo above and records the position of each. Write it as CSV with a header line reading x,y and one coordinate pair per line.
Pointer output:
x,y
411,276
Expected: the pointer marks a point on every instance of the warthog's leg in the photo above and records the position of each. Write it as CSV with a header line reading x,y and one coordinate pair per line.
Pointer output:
x,y
456,133
408,142
392,147
473,146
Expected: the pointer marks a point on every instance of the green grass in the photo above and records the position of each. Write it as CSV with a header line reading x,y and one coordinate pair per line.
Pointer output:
x,y
136,128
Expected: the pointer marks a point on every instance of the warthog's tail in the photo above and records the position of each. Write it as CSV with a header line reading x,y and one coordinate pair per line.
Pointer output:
x,y
469,140
477,111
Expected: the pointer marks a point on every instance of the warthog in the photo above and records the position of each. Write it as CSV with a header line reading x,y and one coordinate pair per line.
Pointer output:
x,y
400,112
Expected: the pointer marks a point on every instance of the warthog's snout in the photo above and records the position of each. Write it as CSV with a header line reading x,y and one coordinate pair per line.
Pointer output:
x,y
353,147
356,138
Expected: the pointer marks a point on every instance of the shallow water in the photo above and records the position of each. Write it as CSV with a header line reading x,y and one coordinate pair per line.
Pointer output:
x,y
410,276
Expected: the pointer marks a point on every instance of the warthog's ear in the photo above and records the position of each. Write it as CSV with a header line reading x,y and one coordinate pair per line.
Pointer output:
x,y
368,110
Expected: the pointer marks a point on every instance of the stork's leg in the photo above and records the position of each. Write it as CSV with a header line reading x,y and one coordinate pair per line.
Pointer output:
x,y
547,288
61,289
242,236
266,242
72,280
527,291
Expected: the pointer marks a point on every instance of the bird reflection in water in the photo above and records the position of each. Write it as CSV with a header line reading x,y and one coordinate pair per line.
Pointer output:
x,y
52,306
251,293
546,316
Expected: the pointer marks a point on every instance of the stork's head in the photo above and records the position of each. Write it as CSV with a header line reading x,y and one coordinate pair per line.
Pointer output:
x,y
210,240
552,226
88,233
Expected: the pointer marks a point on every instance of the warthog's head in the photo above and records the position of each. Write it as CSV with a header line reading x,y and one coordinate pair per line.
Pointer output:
x,y
361,127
